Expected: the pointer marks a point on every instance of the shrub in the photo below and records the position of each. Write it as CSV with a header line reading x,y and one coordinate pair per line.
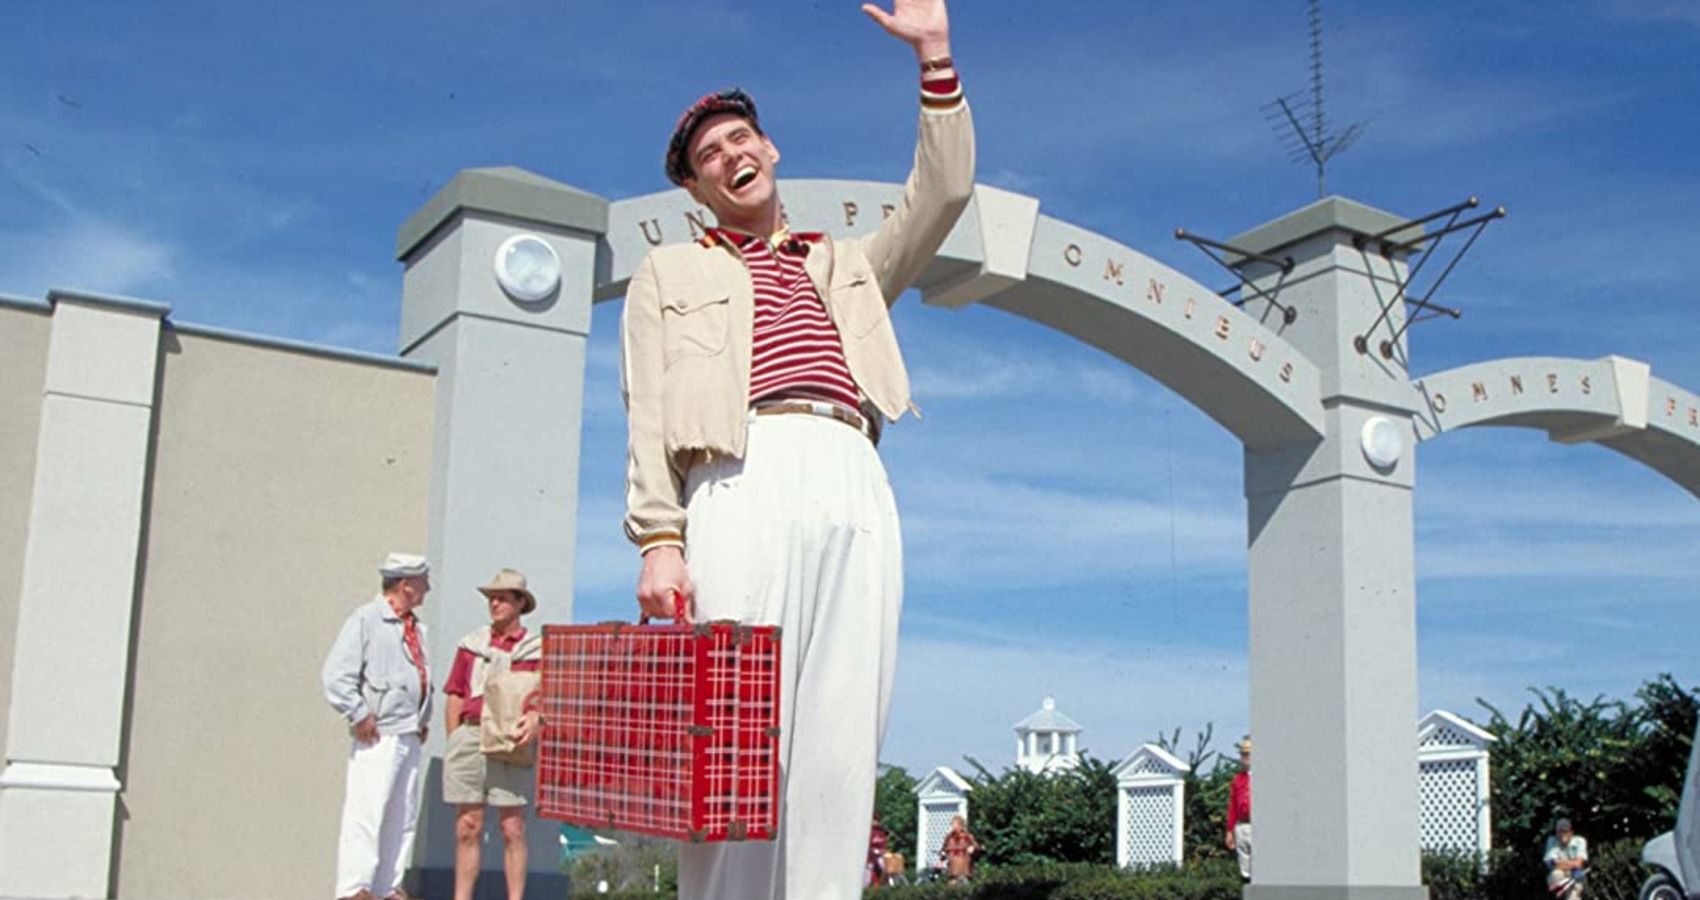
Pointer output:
x,y
1615,872
1026,819
1079,881
895,803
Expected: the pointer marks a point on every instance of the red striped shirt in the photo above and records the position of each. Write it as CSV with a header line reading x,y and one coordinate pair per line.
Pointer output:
x,y
795,350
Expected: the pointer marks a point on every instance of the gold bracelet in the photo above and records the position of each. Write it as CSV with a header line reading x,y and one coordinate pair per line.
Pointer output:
x,y
937,63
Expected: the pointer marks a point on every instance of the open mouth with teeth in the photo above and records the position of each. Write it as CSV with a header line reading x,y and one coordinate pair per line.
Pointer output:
x,y
743,177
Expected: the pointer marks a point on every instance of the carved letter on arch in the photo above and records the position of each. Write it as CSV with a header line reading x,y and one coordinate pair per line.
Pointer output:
x,y
697,225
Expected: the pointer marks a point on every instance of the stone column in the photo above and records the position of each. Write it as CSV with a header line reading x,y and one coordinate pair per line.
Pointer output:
x,y
59,789
1332,585
510,389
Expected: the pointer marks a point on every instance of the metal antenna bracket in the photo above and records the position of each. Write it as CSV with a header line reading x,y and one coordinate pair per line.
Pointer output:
x,y
1211,248
1422,308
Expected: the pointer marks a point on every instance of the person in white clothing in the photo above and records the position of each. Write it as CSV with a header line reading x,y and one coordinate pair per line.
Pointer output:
x,y
1566,859
758,367
378,679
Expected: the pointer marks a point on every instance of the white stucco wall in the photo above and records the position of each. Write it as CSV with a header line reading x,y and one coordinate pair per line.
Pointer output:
x,y
279,480
23,366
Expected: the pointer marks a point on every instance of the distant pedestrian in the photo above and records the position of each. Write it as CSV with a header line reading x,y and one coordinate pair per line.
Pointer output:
x,y
1566,859
896,868
378,678
1239,811
878,840
959,851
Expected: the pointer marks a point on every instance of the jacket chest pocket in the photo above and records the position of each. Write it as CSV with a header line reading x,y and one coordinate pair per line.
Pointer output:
x,y
858,304
694,326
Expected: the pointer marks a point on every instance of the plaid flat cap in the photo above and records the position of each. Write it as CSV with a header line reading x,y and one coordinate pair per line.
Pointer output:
x,y
730,100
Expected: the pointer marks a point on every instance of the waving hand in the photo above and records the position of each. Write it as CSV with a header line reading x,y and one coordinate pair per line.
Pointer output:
x,y
922,24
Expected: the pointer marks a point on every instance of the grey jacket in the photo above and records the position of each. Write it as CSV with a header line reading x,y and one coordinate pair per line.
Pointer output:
x,y
687,326
368,671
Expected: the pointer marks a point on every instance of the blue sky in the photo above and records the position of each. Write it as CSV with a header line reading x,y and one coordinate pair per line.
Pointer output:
x,y
1072,528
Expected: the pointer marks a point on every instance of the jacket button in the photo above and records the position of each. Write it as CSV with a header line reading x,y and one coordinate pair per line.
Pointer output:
x,y
684,304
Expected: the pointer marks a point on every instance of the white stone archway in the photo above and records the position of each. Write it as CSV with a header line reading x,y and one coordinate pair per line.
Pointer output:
x,y
1331,579
1614,402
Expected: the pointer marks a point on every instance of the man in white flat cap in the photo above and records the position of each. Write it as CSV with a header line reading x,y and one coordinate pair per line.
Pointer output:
x,y
378,679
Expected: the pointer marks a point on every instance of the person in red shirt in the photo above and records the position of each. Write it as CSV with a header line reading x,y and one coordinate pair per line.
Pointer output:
x,y
757,367
878,839
958,851
470,779
1239,811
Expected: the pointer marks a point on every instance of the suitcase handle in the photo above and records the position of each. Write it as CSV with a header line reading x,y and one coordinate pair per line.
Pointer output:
x,y
643,617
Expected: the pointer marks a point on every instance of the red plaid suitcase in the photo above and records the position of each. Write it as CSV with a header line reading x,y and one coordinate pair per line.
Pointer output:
x,y
666,730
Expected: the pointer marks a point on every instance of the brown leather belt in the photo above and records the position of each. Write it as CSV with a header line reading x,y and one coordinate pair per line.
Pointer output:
x,y
826,410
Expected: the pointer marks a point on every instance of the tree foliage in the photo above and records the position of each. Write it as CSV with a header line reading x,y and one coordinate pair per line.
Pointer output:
x,y
1614,768
1208,779
630,865
1022,818
895,802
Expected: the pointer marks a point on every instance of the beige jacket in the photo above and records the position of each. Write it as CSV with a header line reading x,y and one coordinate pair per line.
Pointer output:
x,y
689,316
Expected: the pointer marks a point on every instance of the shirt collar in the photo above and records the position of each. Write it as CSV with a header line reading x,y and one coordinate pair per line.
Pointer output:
x,y
389,613
741,240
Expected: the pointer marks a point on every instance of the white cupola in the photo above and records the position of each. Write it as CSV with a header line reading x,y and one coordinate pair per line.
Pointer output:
x,y
1047,741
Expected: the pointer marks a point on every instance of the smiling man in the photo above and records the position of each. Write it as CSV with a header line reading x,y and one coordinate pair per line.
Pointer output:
x,y
759,366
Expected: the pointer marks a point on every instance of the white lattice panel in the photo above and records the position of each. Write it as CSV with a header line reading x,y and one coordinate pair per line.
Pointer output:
x,y
1445,736
1148,824
1449,792
1146,766
935,824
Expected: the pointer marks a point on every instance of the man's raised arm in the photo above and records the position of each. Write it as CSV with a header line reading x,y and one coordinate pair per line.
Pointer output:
x,y
942,178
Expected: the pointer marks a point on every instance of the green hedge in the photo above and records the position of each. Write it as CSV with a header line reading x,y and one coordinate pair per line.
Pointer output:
x,y
1615,872
1218,880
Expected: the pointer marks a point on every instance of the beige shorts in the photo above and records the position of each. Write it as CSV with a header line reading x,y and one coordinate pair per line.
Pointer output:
x,y
471,778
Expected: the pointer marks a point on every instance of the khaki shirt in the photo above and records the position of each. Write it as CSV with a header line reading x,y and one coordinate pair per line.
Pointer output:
x,y
686,329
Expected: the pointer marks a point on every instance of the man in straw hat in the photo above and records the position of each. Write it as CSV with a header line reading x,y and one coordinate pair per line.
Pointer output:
x,y
758,365
1239,810
378,678
472,780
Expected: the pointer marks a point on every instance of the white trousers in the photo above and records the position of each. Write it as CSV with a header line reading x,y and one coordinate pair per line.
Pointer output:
x,y
380,807
1242,848
803,533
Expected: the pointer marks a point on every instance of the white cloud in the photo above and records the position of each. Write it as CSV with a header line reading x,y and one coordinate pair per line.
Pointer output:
x,y
85,253
977,530
1682,12
1005,373
958,695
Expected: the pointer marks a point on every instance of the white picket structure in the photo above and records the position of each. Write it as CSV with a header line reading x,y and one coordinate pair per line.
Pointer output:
x,y
1453,783
943,795
1150,807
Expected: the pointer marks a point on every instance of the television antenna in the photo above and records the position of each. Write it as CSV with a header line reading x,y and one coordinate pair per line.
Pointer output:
x,y
1301,122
